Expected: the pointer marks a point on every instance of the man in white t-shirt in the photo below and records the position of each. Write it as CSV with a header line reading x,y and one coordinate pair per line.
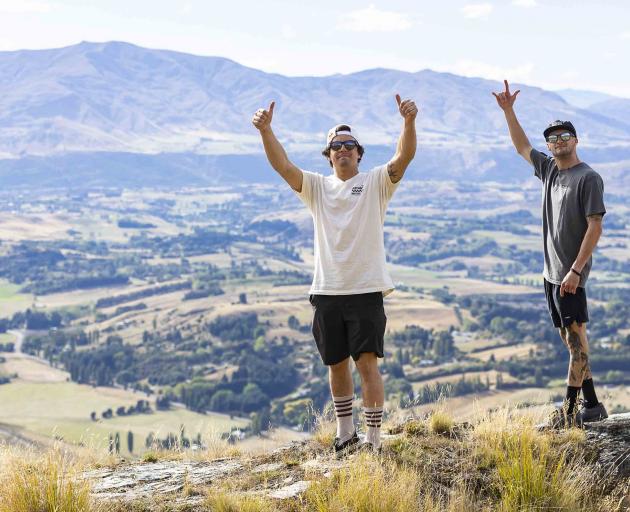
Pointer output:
x,y
350,280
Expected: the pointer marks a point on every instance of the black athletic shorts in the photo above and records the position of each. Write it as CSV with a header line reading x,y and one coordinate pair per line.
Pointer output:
x,y
348,325
568,309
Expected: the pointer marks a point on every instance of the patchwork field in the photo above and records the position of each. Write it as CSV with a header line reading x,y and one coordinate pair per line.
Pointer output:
x,y
255,243
62,410
11,300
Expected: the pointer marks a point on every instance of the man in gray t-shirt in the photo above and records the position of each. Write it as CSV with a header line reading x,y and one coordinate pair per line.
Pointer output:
x,y
572,212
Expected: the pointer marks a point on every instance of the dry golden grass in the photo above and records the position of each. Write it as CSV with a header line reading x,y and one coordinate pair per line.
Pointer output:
x,y
367,484
534,470
223,502
34,482
325,428
441,422
499,463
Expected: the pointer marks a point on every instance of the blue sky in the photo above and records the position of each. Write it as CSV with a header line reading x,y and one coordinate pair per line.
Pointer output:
x,y
550,43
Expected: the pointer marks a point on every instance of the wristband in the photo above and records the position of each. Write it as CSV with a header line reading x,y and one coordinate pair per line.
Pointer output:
x,y
575,272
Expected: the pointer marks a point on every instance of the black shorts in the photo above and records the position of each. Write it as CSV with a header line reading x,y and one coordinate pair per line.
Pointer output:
x,y
348,325
568,309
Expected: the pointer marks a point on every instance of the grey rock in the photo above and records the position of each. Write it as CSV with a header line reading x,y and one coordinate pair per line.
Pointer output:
x,y
136,481
611,440
290,491
264,468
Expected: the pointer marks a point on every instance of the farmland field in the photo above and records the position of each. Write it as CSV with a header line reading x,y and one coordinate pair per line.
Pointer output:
x,y
62,410
202,295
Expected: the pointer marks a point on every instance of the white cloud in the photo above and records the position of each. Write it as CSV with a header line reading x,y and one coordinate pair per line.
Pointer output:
x,y
475,11
372,19
525,3
24,6
186,8
288,32
625,35
520,73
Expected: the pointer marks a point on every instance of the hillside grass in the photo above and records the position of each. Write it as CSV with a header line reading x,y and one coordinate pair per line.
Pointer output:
x,y
499,463
62,409
11,300
5,337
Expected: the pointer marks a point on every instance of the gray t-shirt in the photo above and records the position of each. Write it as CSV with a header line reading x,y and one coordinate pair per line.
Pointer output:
x,y
568,198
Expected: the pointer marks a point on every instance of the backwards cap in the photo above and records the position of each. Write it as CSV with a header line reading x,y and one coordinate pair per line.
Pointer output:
x,y
341,129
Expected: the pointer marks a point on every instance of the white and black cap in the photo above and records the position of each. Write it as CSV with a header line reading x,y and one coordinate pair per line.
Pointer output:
x,y
341,129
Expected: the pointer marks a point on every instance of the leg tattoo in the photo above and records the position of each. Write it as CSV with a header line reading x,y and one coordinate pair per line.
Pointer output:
x,y
579,367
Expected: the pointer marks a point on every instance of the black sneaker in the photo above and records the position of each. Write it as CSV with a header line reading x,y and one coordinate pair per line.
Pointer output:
x,y
347,446
588,414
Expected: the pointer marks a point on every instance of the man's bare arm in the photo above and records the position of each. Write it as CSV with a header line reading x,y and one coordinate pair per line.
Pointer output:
x,y
589,242
571,281
276,154
407,142
505,100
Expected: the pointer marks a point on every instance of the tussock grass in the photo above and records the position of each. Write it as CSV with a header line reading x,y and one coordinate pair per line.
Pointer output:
x,y
441,422
325,427
415,427
223,502
531,474
150,457
499,463
368,484
34,482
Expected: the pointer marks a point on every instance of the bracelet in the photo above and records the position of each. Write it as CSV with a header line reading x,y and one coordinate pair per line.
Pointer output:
x,y
575,272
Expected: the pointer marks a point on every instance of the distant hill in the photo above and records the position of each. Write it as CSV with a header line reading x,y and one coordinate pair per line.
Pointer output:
x,y
615,108
115,114
583,99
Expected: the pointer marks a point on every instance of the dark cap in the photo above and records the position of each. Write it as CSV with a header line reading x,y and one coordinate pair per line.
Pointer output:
x,y
557,124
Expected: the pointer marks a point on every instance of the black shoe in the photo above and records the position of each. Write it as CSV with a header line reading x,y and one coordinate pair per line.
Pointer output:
x,y
588,414
347,446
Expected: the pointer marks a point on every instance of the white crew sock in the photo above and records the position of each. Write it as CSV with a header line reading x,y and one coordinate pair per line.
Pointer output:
x,y
343,413
373,420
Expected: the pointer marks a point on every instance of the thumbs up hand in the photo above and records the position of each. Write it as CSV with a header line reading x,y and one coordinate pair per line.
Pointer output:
x,y
262,117
407,108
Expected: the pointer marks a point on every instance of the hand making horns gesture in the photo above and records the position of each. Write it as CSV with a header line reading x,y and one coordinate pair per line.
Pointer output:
x,y
262,118
407,108
505,99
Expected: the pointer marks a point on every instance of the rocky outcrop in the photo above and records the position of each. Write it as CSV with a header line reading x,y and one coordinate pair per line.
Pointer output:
x,y
288,471
610,440
137,481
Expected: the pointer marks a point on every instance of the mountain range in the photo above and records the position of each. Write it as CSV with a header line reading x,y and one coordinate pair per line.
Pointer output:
x,y
115,114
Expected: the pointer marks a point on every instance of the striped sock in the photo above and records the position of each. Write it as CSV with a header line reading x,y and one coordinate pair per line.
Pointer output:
x,y
373,419
343,412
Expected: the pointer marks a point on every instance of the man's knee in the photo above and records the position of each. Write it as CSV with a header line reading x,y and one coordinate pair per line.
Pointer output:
x,y
367,364
340,367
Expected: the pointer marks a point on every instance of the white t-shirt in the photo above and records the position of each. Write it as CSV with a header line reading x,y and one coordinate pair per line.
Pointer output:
x,y
348,218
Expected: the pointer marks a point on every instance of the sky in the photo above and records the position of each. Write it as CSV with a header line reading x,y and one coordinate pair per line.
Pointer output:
x,y
555,44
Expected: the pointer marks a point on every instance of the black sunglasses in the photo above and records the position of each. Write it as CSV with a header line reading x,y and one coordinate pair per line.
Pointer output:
x,y
563,136
348,145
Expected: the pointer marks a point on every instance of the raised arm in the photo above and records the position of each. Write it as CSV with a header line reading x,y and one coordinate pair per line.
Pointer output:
x,y
505,100
406,147
276,154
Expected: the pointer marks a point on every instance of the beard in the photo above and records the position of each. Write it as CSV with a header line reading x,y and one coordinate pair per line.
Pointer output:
x,y
562,151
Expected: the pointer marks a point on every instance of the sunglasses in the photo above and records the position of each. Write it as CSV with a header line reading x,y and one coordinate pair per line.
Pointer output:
x,y
348,145
563,136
